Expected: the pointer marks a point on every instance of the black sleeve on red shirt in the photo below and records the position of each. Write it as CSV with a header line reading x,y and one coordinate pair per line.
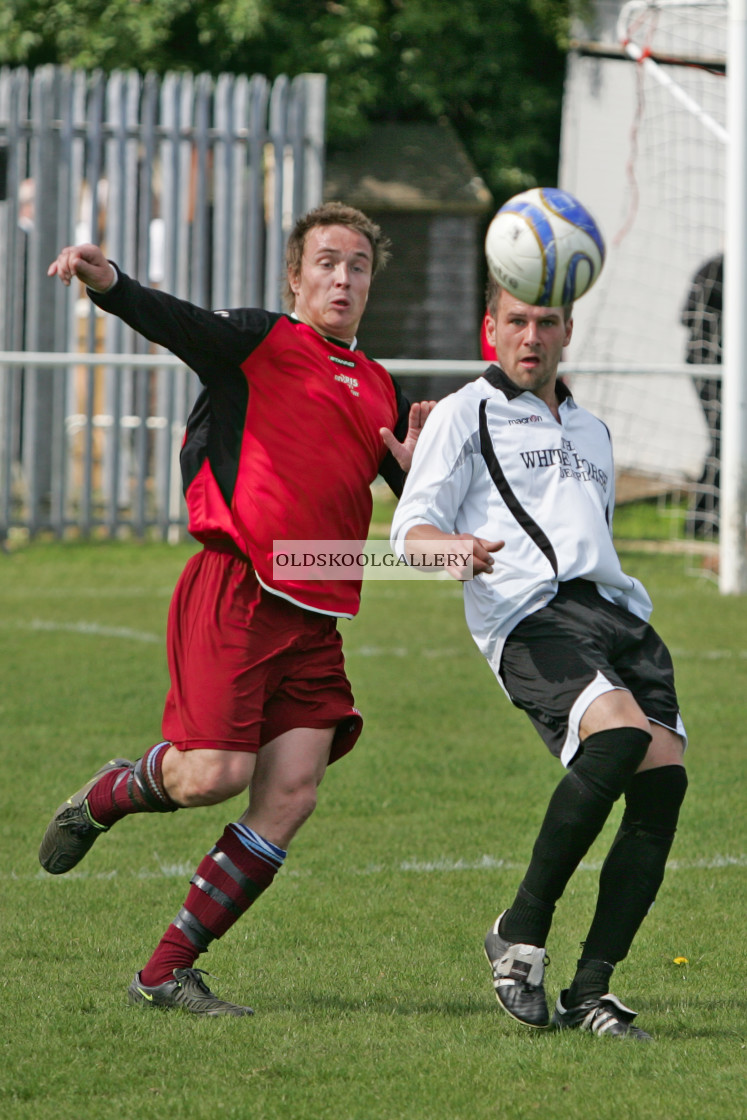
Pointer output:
x,y
215,344
212,343
390,470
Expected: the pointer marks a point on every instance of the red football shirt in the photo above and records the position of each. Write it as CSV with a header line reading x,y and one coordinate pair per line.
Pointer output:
x,y
283,443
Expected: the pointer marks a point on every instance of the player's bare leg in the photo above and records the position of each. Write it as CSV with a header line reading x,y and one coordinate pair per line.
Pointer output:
x,y
284,785
240,866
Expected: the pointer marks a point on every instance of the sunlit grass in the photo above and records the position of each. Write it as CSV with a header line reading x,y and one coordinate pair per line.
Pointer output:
x,y
364,963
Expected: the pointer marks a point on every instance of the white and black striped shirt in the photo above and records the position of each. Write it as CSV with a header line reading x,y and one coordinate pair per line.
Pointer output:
x,y
493,461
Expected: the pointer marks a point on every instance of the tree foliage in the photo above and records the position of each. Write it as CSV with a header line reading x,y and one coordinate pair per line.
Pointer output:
x,y
493,68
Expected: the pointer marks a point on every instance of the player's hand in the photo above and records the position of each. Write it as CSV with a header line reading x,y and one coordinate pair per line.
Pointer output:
x,y
402,452
482,554
461,555
88,263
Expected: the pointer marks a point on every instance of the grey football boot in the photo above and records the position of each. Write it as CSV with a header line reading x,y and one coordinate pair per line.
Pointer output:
x,y
607,1017
187,991
72,831
518,975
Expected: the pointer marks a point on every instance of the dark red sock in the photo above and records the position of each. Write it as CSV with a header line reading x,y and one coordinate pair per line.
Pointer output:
x,y
174,950
133,789
229,879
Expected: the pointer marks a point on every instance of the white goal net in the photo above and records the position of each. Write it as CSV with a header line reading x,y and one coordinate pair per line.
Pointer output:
x,y
644,147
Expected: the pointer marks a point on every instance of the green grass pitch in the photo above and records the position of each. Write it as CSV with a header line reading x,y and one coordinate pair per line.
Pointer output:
x,y
364,963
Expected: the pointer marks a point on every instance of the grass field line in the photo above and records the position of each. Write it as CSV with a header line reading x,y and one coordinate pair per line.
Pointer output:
x,y
92,629
101,630
122,591
446,651
405,867
403,651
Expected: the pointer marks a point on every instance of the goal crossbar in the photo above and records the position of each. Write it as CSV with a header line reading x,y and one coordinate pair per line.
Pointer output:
x,y
644,56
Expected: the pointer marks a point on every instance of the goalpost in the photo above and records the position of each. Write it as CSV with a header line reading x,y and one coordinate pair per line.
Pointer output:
x,y
733,574
646,144
733,467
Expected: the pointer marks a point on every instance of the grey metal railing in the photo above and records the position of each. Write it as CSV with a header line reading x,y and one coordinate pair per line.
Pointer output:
x,y
115,456
188,182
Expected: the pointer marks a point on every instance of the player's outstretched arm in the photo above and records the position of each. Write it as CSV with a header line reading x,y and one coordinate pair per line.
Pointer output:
x,y
402,452
88,263
213,345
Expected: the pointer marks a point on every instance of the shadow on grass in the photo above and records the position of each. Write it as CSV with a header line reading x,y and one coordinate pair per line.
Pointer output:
x,y
468,1006
675,1025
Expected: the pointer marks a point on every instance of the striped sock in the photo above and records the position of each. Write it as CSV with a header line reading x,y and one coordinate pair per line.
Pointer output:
x,y
228,880
134,789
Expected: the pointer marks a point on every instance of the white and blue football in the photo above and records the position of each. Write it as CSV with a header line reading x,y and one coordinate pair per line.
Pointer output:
x,y
544,247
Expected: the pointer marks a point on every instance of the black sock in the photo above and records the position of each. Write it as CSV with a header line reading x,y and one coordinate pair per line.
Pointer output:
x,y
528,921
577,811
592,981
634,868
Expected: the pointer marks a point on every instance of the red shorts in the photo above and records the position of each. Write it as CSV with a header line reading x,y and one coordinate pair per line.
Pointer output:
x,y
246,665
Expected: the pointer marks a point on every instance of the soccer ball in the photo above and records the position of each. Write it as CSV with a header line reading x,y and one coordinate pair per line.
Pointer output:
x,y
544,247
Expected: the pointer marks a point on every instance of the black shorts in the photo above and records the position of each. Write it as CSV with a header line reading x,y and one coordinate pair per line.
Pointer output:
x,y
562,657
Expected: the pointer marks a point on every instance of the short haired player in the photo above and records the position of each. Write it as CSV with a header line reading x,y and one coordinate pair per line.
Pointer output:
x,y
512,464
292,426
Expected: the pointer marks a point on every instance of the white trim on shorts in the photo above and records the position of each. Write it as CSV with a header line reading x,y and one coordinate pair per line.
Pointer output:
x,y
598,687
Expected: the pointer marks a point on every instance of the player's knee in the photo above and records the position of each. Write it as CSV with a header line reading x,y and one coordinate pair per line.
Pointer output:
x,y
300,802
609,759
209,777
279,813
653,800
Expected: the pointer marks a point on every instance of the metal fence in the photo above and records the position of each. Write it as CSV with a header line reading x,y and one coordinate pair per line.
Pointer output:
x,y
117,472
188,182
